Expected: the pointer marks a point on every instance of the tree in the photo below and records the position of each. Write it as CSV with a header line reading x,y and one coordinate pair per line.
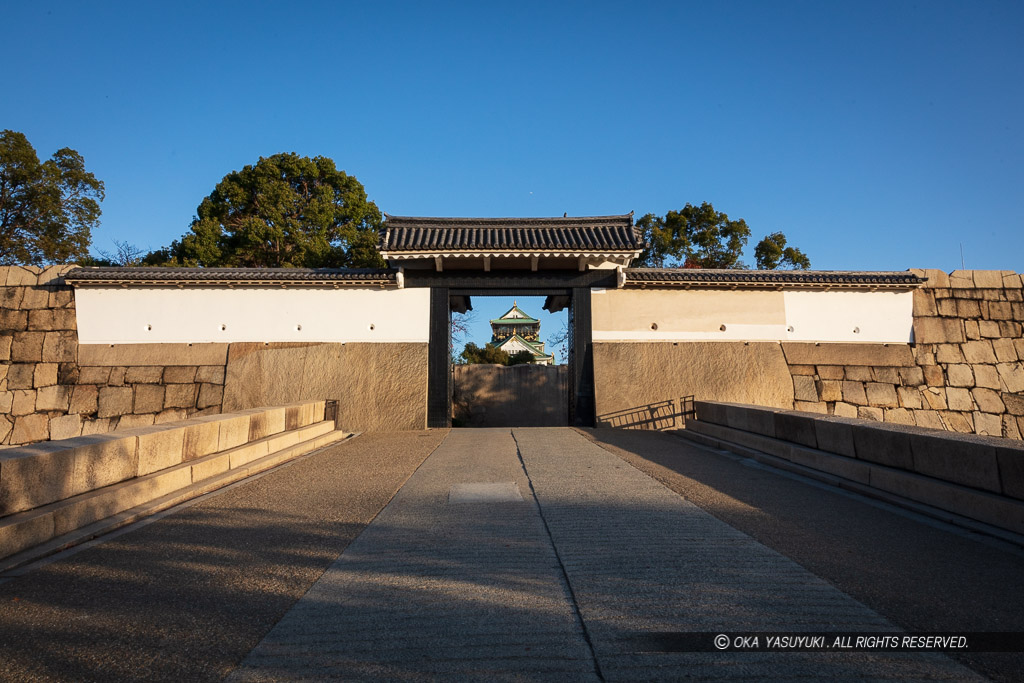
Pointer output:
x,y
488,354
284,211
492,354
695,237
772,253
700,237
48,209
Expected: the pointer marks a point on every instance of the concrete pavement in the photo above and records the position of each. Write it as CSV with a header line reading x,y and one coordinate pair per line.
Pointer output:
x,y
562,585
505,555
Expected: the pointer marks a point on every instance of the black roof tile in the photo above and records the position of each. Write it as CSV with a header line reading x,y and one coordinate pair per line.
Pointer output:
x,y
159,275
711,277
587,233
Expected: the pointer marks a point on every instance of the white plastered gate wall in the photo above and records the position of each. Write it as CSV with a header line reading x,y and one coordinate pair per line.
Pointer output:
x,y
146,315
752,315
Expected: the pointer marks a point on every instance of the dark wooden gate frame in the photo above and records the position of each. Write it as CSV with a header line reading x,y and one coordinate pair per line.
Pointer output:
x,y
575,285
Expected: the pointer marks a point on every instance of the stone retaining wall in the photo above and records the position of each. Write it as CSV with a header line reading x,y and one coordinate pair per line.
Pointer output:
x,y
50,388
964,373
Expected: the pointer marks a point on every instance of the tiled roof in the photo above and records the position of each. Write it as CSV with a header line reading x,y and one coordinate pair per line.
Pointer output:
x,y
693,277
573,234
231,276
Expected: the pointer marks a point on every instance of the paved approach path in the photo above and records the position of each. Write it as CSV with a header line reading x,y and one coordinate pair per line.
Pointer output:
x,y
536,553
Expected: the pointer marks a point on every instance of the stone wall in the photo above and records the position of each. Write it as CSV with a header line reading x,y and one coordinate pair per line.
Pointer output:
x,y
964,373
485,395
51,388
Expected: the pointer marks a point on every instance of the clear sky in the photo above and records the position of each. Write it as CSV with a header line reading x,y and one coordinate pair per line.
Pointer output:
x,y
876,135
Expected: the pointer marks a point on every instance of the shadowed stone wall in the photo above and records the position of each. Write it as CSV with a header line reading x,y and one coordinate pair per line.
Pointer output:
x,y
379,387
511,396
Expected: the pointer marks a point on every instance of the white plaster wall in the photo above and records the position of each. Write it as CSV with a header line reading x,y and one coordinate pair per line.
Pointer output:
x,y
142,315
753,315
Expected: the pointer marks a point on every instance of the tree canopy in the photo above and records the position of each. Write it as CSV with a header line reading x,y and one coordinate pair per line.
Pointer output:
x,y
48,209
701,237
772,253
491,354
285,211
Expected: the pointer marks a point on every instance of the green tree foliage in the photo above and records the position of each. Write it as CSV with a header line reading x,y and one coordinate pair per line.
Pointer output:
x,y
488,354
491,354
701,237
48,209
772,253
284,211
695,237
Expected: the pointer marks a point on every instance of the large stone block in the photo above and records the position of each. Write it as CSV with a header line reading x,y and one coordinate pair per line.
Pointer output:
x,y
45,375
60,347
54,398
24,402
13,321
853,392
1005,351
48,319
19,533
202,437
1014,403
210,395
6,405
21,376
149,398
795,427
933,376
988,401
830,390
959,458
809,353
987,376
93,375
924,302
27,347
10,297
153,354
960,376
935,278
65,427
35,298
910,397
114,401
5,346
835,434
144,374
265,422
928,418
234,431
159,448
170,415
180,396
211,374
804,389
180,374
978,351
1010,456
959,399
885,444
716,413
859,373
1012,376
881,395
938,331
1000,310
104,459
948,353
968,308
84,399
987,424
132,421
29,428
899,416
35,475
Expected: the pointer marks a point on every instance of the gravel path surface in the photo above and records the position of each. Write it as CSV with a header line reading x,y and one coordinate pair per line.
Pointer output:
x,y
919,576
186,597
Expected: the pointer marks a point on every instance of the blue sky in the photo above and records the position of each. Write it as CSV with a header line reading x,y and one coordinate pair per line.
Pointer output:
x,y
875,135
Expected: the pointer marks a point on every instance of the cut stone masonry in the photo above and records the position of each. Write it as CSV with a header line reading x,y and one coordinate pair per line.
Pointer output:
x,y
964,373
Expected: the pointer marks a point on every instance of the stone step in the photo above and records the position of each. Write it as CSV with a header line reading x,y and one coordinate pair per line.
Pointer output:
x,y
988,513
32,534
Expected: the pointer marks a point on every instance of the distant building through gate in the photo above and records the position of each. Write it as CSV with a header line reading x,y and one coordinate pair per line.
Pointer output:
x,y
516,331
